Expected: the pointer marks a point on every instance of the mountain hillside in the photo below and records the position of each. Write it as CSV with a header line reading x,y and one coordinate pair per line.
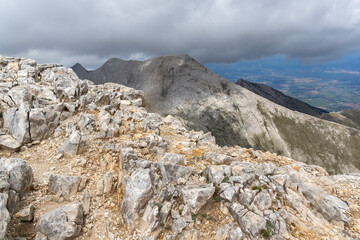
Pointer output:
x,y
347,117
280,98
182,87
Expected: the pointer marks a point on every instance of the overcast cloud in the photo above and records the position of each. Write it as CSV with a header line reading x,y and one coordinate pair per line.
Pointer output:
x,y
221,31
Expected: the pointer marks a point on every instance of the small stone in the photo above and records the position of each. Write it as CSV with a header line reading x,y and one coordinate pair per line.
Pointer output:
x,y
108,183
27,214
85,201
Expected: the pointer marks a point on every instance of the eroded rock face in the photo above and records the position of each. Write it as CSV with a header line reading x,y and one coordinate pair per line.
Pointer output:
x,y
62,223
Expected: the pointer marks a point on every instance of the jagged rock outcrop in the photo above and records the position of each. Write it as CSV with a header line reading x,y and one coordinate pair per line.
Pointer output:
x,y
182,87
142,176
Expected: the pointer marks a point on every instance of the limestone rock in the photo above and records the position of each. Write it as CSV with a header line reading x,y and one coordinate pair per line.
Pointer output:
x,y
179,223
173,158
252,223
5,216
4,181
172,172
229,193
73,145
27,214
8,144
190,235
263,200
217,173
108,183
16,120
62,223
196,196
86,122
38,124
150,219
330,207
85,201
235,234
66,186
20,174
137,192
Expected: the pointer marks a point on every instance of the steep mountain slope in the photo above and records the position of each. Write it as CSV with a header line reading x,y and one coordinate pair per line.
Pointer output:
x,y
180,86
347,117
280,98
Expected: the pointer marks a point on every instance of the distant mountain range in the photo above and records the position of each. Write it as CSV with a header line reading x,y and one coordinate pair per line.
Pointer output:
x,y
180,86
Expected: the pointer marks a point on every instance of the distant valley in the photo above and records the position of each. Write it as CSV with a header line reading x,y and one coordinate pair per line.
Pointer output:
x,y
334,86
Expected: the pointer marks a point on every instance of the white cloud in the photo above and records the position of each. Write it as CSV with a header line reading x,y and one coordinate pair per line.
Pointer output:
x,y
90,31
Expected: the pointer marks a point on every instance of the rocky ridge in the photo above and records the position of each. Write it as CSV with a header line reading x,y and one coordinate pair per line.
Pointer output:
x,y
89,162
182,87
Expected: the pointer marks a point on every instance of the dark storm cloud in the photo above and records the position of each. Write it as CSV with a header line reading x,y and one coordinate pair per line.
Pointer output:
x,y
211,31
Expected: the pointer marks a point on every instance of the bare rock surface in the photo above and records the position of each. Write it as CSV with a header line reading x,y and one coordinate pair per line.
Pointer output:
x,y
62,223
65,186
125,173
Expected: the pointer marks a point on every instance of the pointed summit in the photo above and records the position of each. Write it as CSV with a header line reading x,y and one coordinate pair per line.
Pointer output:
x,y
79,69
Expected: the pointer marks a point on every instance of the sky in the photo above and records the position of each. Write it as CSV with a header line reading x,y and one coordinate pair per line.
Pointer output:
x,y
211,31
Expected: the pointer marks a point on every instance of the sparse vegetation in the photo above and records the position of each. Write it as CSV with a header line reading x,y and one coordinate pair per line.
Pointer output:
x,y
266,233
257,188
226,179
159,205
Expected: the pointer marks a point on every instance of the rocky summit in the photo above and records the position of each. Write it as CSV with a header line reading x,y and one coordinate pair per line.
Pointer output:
x,y
182,87
85,161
